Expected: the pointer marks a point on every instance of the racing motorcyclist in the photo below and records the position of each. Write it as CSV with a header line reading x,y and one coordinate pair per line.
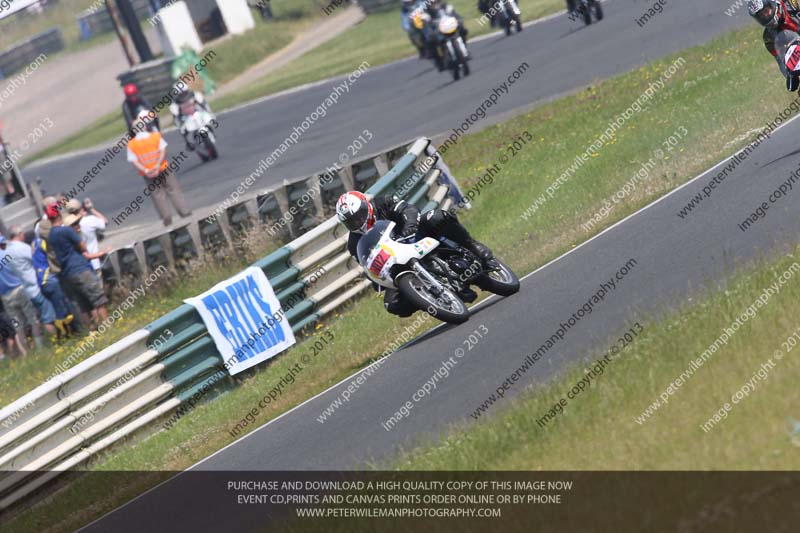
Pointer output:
x,y
430,11
183,107
358,214
435,8
777,16
406,13
135,102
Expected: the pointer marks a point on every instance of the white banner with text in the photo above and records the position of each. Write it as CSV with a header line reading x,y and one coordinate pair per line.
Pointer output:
x,y
239,313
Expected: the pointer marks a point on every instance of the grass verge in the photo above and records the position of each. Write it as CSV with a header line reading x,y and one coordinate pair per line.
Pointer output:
x,y
696,98
605,427
62,15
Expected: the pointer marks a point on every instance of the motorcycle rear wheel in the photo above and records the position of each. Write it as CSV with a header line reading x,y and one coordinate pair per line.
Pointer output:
x,y
598,11
416,292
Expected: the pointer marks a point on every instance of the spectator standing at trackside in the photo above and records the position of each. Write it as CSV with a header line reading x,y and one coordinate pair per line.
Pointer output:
x,y
19,307
9,338
46,202
51,287
148,153
77,274
42,229
20,262
92,223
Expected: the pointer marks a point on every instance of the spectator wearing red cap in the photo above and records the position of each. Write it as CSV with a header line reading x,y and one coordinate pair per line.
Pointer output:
x,y
43,227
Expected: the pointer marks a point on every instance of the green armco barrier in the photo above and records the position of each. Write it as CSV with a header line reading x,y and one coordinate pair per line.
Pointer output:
x,y
188,380
310,319
188,355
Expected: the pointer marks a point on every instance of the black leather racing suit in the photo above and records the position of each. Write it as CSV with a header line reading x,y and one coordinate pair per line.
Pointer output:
x,y
435,223
131,107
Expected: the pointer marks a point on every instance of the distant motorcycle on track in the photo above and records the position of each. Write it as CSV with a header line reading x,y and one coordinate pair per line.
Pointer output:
x,y
197,123
584,8
451,49
508,15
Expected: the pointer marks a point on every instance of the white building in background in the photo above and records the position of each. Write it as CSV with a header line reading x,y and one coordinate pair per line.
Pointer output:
x,y
194,22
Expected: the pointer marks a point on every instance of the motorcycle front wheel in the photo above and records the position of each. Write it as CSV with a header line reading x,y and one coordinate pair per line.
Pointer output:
x,y
211,148
447,307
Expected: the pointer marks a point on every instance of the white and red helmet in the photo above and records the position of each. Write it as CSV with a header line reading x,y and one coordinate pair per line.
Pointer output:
x,y
768,13
354,211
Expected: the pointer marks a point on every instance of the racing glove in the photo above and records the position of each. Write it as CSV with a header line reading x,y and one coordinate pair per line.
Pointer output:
x,y
410,217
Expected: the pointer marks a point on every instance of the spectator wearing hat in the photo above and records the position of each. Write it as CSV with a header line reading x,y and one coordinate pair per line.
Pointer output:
x,y
93,222
148,153
79,279
20,262
18,306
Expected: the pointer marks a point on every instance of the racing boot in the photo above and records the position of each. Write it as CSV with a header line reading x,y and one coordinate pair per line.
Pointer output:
x,y
468,295
481,250
438,223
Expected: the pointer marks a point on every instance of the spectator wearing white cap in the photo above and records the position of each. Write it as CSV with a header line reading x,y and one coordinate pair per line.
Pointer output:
x,y
92,224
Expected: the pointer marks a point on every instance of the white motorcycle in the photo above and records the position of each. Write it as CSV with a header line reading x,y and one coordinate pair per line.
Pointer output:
x,y
198,126
430,273
451,48
508,15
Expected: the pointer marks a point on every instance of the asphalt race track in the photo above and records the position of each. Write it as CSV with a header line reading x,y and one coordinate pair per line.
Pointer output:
x,y
673,257
402,101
